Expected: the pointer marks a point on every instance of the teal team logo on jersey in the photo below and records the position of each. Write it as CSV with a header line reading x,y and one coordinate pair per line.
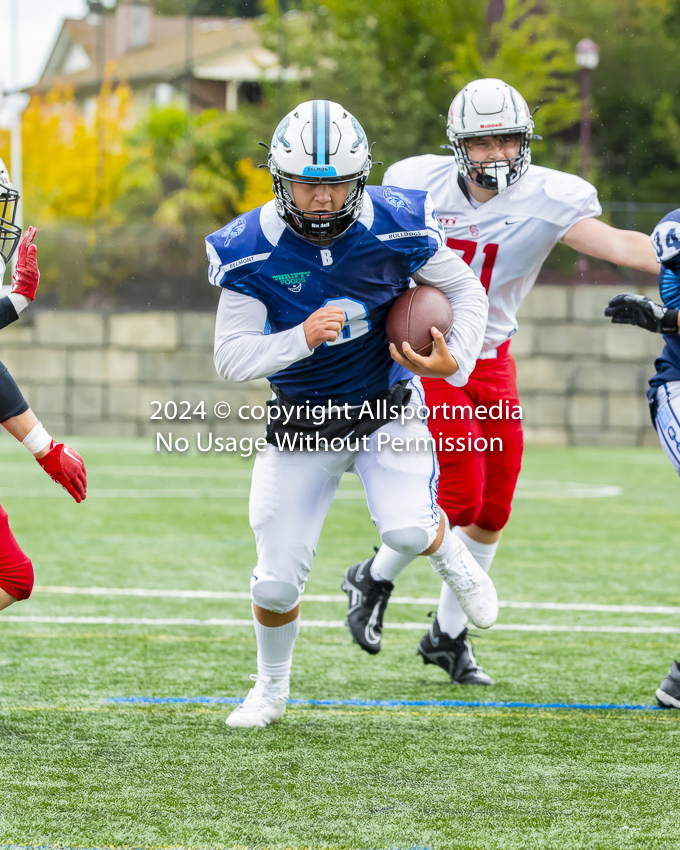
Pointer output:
x,y
292,281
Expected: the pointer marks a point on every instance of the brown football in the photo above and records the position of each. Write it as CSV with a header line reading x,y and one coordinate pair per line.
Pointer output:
x,y
413,314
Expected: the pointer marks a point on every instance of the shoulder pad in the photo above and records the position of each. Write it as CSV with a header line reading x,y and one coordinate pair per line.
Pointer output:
x,y
566,187
416,170
666,237
397,213
237,249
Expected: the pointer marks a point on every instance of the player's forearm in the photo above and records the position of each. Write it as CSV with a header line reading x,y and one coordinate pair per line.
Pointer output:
x,y
12,402
633,250
470,314
8,312
470,309
21,426
250,356
624,247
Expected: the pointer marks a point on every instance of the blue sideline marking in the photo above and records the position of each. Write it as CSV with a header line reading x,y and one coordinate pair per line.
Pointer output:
x,y
383,703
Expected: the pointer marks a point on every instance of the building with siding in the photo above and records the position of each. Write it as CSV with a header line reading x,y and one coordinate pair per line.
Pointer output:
x,y
203,62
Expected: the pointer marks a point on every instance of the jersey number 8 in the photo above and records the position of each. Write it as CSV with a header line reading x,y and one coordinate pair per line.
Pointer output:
x,y
356,323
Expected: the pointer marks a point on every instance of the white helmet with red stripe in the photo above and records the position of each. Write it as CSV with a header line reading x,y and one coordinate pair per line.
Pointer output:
x,y
319,142
10,233
490,107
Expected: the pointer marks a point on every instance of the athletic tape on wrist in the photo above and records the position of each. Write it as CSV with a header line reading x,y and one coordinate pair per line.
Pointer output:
x,y
37,439
19,301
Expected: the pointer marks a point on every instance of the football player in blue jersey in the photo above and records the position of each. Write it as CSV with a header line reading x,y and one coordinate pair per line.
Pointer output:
x,y
664,393
307,281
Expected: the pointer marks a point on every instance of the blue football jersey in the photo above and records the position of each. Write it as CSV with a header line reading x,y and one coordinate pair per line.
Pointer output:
x,y
362,273
666,242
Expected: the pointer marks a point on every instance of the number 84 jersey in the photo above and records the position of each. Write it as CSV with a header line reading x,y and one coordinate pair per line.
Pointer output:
x,y
507,239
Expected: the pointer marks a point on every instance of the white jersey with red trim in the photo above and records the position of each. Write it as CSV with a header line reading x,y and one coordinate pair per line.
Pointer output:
x,y
507,239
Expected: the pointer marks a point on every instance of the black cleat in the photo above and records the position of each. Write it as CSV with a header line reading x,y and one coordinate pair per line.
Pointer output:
x,y
453,655
668,692
367,602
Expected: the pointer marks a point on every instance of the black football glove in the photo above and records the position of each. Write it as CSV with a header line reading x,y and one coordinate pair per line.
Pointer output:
x,y
630,309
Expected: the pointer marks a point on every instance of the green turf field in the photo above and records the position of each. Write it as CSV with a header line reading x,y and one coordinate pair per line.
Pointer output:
x,y
80,770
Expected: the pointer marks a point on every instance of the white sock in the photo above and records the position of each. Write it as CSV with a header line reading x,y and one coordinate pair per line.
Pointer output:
x,y
483,553
447,551
388,564
450,615
275,648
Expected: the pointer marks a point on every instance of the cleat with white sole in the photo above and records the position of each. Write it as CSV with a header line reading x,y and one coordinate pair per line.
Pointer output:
x,y
668,692
454,655
471,586
367,600
264,704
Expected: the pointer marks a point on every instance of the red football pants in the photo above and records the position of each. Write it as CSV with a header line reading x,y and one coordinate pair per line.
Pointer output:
x,y
477,486
16,570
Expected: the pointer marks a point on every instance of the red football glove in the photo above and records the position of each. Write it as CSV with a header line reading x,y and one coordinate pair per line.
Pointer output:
x,y
66,467
26,274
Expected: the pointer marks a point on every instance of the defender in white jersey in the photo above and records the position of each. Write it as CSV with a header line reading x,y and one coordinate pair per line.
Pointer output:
x,y
503,215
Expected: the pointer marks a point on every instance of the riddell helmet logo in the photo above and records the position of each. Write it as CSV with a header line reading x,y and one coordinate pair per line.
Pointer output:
x,y
489,126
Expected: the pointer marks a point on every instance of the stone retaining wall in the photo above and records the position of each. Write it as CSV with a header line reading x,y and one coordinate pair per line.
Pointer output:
x,y
582,380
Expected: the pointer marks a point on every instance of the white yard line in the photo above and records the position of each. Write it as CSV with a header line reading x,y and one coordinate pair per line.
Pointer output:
x,y
148,493
150,471
525,489
340,597
325,624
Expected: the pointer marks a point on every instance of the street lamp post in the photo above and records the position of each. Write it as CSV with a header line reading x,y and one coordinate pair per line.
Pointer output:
x,y
587,58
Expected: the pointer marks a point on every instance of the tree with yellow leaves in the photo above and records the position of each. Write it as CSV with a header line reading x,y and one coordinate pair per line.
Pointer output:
x,y
73,162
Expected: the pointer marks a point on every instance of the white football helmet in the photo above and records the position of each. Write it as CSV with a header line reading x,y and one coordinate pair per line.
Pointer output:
x,y
490,107
319,142
10,233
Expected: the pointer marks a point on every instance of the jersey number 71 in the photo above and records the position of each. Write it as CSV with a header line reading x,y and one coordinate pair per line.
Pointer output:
x,y
469,249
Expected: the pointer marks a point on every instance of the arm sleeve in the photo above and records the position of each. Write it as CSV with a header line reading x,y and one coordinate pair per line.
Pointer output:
x,y
244,349
8,312
12,402
462,287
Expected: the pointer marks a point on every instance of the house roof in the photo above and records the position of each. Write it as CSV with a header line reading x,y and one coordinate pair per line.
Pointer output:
x,y
217,48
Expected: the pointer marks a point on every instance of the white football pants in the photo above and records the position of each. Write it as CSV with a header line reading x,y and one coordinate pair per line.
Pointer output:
x,y
292,491
668,420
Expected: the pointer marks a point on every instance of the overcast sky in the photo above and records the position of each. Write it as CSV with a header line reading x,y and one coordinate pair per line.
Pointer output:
x,y
39,22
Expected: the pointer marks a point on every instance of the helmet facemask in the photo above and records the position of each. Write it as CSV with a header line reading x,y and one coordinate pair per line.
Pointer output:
x,y
326,225
317,144
10,233
495,174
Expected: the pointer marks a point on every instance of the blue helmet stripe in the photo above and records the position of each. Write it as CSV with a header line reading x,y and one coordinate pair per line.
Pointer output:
x,y
327,131
320,123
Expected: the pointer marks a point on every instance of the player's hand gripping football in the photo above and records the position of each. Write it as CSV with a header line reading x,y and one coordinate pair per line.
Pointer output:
x,y
26,273
439,364
627,308
324,325
65,466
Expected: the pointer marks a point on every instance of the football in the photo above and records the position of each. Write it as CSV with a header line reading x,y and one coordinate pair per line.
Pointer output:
x,y
413,314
